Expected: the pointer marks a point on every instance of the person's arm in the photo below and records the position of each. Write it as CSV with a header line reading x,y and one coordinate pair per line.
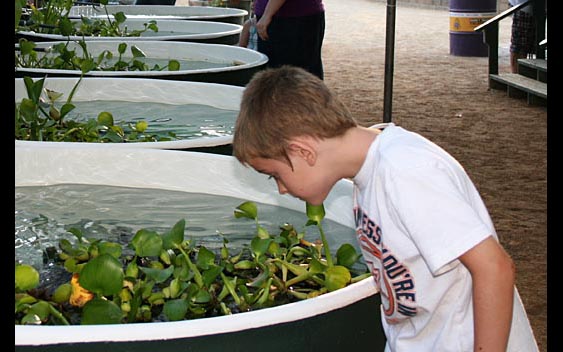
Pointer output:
x,y
492,271
262,25
244,34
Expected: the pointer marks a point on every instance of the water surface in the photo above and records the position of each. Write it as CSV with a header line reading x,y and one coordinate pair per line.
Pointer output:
x,y
43,214
187,121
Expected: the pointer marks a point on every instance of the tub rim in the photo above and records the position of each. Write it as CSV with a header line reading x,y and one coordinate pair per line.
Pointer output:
x,y
259,59
224,30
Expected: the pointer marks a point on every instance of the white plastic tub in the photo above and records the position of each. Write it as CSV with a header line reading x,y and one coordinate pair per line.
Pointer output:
x,y
346,318
176,30
240,63
219,96
165,12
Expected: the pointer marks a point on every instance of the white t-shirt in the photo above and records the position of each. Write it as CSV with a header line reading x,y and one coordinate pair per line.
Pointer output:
x,y
416,212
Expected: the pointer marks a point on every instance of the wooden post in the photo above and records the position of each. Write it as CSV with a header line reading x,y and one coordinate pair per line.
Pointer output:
x,y
491,38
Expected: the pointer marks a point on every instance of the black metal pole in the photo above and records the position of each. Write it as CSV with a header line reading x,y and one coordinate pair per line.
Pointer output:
x,y
389,60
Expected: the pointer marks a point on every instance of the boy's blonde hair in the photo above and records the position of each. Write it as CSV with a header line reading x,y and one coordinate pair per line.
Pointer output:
x,y
279,104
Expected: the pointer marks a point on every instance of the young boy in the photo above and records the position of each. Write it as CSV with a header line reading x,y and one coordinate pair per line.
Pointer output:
x,y
446,283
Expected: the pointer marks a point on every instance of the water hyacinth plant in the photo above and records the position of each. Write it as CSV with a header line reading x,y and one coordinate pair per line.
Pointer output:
x,y
166,277
53,18
38,118
60,57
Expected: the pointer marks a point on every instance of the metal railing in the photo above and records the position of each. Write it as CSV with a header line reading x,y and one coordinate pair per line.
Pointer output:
x,y
490,31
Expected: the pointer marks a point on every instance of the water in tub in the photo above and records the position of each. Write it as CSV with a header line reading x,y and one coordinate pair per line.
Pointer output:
x,y
43,214
186,121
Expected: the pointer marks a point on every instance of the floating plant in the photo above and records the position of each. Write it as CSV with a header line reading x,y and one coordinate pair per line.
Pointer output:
x,y
60,57
53,18
166,277
37,118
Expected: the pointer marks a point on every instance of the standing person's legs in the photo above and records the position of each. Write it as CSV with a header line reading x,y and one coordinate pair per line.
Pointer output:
x,y
295,41
522,40
314,29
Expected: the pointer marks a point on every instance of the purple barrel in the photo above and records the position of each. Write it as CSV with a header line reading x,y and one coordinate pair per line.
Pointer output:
x,y
465,15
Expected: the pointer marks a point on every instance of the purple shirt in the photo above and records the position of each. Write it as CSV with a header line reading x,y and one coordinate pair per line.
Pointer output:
x,y
292,8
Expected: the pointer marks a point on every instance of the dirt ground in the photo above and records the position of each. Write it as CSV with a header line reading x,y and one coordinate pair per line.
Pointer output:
x,y
501,141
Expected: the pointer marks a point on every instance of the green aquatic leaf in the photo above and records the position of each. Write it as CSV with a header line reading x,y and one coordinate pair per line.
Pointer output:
x,y
27,277
208,276
337,277
175,309
62,293
102,275
158,275
99,311
137,52
105,118
141,126
346,255
247,210
121,48
34,88
175,236
66,108
111,248
262,278
40,309
66,27
173,65
315,213
147,243
259,245
202,296
119,17
205,258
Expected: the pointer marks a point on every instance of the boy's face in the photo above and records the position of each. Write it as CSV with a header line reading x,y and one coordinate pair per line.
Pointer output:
x,y
304,181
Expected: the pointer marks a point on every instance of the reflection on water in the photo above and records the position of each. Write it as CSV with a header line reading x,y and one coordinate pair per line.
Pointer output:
x,y
185,65
187,121
162,33
43,214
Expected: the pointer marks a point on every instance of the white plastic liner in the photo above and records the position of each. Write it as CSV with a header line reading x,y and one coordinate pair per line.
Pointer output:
x,y
219,96
217,53
160,12
206,173
186,30
178,171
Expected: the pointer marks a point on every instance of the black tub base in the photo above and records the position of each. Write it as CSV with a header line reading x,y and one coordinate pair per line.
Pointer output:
x,y
352,328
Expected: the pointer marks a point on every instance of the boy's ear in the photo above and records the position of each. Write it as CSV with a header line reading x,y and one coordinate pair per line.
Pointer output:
x,y
303,149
